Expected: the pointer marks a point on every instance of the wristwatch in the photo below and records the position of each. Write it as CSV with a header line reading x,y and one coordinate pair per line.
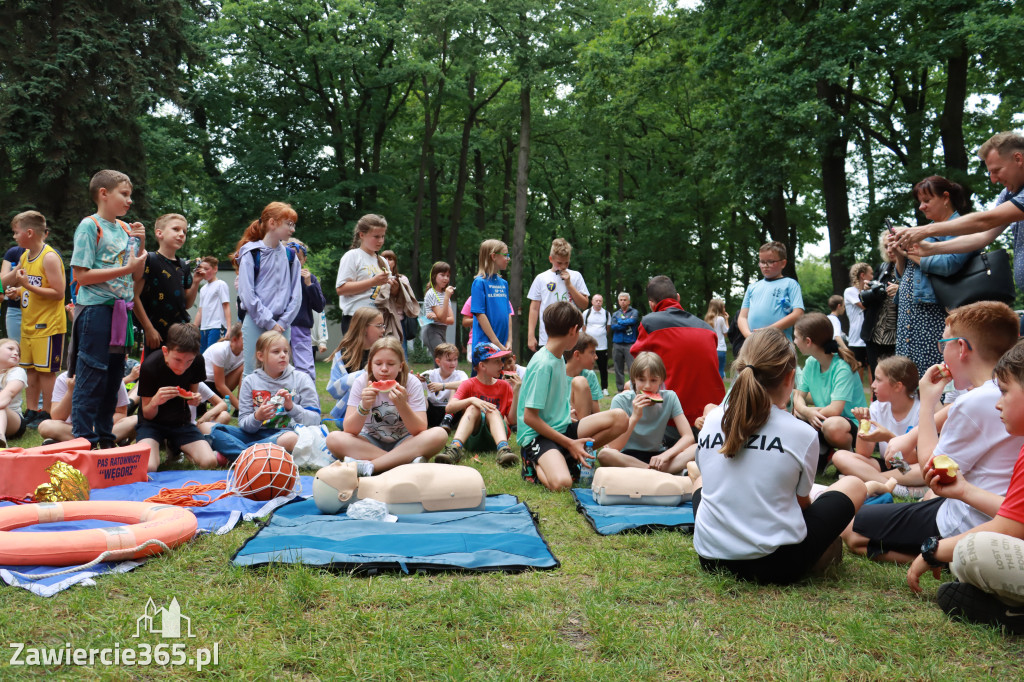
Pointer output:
x,y
928,548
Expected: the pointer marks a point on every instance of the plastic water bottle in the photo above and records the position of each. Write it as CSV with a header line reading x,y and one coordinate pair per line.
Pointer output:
x,y
587,467
133,247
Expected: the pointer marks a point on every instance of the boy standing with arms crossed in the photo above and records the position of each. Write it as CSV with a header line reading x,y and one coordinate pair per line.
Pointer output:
x,y
167,288
40,274
104,271
553,447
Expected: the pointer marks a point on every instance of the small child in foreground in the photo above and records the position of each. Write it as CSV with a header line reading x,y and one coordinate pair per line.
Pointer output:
x,y
645,444
485,401
165,380
553,446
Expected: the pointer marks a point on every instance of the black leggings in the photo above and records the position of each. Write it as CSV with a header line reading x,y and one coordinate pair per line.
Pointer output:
x,y
826,518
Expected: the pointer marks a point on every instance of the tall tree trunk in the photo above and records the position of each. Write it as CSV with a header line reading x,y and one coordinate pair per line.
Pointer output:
x,y
479,189
834,188
519,229
506,189
778,228
951,122
463,169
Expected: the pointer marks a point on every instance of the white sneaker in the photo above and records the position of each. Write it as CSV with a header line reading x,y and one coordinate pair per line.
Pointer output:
x,y
364,467
419,460
914,492
606,392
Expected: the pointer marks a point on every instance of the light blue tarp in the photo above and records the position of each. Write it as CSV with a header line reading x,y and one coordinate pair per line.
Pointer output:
x,y
502,537
639,518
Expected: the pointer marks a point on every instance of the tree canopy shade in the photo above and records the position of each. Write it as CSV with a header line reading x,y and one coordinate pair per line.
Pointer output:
x,y
75,79
657,140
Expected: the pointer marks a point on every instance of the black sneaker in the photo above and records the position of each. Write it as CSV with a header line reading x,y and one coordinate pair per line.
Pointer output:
x,y
448,424
105,444
28,416
965,602
40,416
49,441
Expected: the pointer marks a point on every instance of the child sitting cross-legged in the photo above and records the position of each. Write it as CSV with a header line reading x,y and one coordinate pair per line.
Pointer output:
x,y
894,413
57,429
164,415
553,446
271,401
441,382
386,425
584,386
485,401
645,443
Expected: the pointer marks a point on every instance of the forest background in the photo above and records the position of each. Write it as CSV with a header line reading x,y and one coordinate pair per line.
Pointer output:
x,y
657,138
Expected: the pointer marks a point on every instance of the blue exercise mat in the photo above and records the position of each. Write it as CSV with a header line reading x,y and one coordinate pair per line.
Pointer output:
x,y
619,518
635,518
218,518
503,537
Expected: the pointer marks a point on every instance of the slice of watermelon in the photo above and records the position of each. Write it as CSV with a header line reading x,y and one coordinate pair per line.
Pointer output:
x,y
187,395
385,385
654,396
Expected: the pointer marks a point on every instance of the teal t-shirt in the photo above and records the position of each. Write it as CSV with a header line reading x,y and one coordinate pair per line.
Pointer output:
x,y
595,384
103,254
649,433
838,383
546,390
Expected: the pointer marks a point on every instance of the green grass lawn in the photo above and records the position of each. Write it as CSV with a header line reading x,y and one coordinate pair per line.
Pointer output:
x,y
626,607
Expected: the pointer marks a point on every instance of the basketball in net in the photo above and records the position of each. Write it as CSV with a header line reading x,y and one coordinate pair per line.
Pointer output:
x,y
262,472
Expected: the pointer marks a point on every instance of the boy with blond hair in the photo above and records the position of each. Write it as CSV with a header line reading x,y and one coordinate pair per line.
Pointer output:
x,y
104,271
167,289
557,284
975,338
40,275
214,316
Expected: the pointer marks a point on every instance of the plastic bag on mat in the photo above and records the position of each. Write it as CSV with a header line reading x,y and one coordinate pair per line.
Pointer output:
x,y
311,447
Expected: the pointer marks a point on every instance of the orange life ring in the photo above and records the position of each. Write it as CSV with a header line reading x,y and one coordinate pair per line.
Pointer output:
x,y
166,523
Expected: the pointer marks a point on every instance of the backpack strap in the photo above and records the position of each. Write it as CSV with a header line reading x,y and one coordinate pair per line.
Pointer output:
x,y
99,228
256,262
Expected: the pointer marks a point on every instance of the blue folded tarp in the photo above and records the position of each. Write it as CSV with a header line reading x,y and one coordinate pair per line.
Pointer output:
x,y
218,518
620,518
503,537
634,518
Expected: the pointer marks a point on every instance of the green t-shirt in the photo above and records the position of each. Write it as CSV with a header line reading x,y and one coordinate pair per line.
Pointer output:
x,y
546,390
102,254
595,384
649,433
838,383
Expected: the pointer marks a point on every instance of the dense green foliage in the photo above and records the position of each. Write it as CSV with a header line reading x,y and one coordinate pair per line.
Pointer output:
x,y
656,139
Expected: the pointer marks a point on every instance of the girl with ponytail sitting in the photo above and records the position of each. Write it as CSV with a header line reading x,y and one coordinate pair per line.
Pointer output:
x,y
756,462
829,388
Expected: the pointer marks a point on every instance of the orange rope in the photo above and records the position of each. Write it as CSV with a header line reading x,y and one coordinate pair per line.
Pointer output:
x,y
184,497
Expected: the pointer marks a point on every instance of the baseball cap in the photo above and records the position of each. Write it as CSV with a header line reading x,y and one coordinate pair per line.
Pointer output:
x,y
486,351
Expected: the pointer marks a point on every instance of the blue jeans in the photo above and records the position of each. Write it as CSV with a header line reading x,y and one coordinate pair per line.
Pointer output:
x,y
98,375
231,441
721,363
208,337
13,319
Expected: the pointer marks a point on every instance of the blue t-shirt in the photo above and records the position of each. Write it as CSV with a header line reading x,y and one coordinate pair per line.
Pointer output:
x,y
838,382
770,301
490,297
102,252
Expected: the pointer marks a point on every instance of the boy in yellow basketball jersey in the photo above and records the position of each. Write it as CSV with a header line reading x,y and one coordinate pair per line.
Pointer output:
x,y
40,274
